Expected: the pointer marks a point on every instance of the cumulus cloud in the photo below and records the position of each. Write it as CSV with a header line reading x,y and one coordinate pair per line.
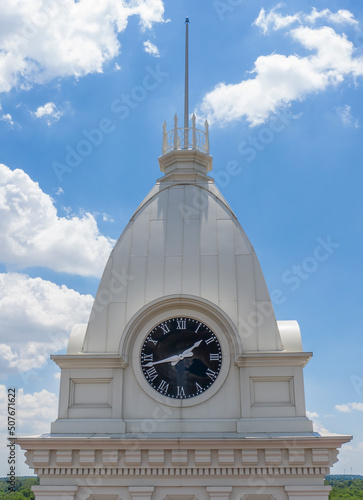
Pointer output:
x,y
36,317
42,40
34,412
349,407
275,20
151,49
317,425
282,79
32,234
49,112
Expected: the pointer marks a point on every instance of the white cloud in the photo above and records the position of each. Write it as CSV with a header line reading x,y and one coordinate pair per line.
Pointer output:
x,y
280,80
42,40
34,412
350,457
49,112
152,49
117,67
345,114
276,21
343,16
107,218
317,425
349,407
34,235
36,317
6,117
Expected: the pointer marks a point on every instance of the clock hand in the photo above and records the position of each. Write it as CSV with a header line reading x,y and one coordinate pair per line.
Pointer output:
x,y
166,360
188,353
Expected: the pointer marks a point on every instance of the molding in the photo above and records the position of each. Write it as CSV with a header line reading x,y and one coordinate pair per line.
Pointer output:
x,y
279,359
89,360
173,442
198,163
246,457
73,382
271,379
274,472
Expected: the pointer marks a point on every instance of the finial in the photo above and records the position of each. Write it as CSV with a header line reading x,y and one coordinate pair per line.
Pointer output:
x,y
194,133
206,131
176,135
165,139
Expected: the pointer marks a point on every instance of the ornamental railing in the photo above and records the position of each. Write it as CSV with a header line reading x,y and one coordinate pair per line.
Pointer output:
x,y
186,138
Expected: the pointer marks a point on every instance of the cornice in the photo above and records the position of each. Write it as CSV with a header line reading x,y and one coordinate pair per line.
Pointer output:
x,y
239,442
279,359
89,360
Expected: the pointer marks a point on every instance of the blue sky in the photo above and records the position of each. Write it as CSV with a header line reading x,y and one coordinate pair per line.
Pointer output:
x,y
84,90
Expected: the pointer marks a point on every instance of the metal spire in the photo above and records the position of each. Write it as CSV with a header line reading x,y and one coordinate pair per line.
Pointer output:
x,y
186,94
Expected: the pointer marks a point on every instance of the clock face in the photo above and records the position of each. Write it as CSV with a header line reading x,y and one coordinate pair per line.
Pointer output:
x,y
181,358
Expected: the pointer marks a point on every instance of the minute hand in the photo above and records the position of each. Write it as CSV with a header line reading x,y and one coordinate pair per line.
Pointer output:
x,y
188,353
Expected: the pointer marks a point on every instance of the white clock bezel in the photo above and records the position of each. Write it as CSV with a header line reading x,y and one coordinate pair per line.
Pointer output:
x,y
157,316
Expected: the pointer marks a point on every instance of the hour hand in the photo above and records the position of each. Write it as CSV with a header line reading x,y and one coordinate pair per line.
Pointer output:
x,y
188,353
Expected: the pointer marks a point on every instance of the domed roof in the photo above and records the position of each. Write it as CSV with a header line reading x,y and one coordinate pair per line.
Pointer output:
x,y
183,240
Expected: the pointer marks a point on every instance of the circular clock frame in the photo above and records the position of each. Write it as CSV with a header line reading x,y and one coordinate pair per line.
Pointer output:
x,y
156,313
181,358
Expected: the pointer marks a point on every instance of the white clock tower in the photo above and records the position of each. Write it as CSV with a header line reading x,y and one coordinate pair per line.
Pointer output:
x,y
183,386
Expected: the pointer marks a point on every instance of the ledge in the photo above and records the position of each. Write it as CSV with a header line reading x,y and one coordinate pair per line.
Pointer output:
x,y
283,358
89,360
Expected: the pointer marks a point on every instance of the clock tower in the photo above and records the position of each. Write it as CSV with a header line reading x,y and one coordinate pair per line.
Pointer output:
x,y
183,386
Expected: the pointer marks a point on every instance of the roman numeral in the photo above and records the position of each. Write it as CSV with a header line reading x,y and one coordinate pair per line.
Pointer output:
x,y
211,339
211,374
180,391
165,328
152,373
163,386
214,357
199,388
152,340
181,324
148,357
200,324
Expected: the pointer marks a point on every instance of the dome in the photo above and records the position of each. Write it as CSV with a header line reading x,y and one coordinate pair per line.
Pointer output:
x,y
183,241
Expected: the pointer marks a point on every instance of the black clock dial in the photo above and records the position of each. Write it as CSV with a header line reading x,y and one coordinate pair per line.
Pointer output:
x,y
181,358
